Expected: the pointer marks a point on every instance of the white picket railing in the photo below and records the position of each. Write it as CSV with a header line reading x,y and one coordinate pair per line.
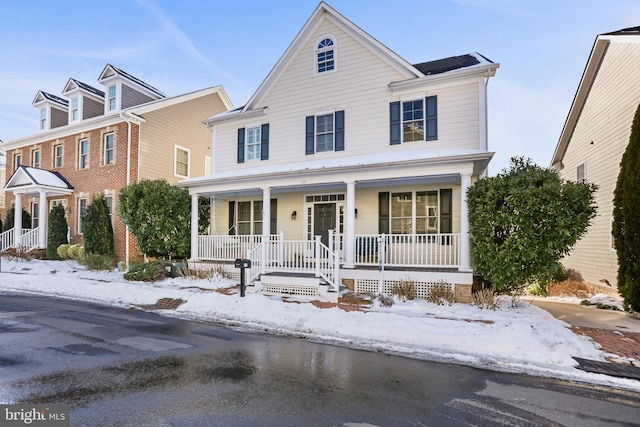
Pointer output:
x,y
226,248
30,239
7,239
408,250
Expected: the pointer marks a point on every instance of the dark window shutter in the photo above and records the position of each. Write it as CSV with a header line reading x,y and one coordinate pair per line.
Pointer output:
x,y
264,142
241,145
273,228
394,123
339,130
445,210
310,137
431,118
383,212
232,218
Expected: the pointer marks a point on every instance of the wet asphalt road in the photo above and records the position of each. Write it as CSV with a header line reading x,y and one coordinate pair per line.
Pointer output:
x,y
119,367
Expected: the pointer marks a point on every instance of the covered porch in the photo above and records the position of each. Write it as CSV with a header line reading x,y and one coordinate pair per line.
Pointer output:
x,y
348,222
38,183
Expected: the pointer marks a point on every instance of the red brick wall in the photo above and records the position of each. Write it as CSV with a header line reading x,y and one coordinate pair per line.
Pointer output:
x,y
87,183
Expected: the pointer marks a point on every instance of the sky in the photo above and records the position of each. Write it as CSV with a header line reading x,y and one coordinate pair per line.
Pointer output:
x,y
513,338
542,47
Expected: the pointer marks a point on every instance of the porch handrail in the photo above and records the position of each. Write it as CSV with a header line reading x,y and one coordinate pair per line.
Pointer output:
x,y
7,239
30,238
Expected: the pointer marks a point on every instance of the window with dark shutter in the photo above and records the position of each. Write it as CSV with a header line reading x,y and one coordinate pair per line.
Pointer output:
x,y
264,142
310,135
383,212
232,218
339,129
431,118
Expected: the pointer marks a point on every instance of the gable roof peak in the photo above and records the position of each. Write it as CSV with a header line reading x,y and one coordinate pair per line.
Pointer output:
x,y
110,70
45,96
73,84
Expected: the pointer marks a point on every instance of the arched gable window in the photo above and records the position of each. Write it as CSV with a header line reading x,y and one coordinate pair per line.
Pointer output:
x,y
325,55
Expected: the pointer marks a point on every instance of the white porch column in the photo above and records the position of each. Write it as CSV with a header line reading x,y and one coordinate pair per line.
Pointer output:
x,y
350,226
42,224
17,221
194,227
465,249
266,224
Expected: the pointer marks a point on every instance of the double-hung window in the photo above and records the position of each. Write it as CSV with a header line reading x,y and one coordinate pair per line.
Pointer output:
x,y
416,212
181,167
414,120
82,210
35,215
581,172
58,154
253,143
17,161
35,159
249,218
74,109
108,148
325,56
83,154
112,97
325,132
43,118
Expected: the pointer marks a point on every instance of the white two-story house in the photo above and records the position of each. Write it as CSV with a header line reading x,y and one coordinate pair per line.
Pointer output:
x,y
350,165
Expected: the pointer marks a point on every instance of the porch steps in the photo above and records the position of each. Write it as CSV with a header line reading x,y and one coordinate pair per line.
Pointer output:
x,y
301,284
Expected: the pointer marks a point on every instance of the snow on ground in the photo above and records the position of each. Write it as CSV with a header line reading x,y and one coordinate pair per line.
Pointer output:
x,y
522,339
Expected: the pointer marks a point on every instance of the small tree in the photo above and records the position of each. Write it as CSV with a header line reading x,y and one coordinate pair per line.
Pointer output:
x,y
10,219
523,221
56,232
626,221
98,231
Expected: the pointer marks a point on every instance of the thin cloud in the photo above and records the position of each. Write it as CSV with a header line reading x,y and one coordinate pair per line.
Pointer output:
x,y
182,41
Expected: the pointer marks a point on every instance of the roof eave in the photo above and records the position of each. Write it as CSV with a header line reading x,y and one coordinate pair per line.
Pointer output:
x,y
485,71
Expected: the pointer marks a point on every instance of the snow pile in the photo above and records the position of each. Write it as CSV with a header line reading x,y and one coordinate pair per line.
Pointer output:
x,y
524,338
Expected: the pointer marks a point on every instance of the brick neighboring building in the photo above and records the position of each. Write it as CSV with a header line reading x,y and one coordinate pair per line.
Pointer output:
x,y
92,141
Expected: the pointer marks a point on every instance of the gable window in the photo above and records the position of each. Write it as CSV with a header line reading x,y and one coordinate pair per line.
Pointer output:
x,y
43,118
35,159
253,143
325,132
74,109
325,56
108,148
17,161
82,210
414,120
181,167
112,97
58,155
83,154
580,172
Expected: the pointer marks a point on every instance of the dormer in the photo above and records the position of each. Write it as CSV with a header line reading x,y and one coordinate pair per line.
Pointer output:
x,y
122,90
84,101
53,110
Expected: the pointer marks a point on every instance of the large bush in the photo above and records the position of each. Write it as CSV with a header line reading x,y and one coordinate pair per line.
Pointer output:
x,y
159,216
56,231
98,231
523,221
626,220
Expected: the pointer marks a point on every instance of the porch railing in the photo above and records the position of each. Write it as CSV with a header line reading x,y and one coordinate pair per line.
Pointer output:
x,y
393,250
30,239
408,250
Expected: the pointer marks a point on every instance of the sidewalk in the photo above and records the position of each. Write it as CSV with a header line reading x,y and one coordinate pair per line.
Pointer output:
x,y
617,333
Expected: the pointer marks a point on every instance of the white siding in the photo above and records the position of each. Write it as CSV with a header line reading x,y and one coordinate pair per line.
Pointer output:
x,y
360,87
599,140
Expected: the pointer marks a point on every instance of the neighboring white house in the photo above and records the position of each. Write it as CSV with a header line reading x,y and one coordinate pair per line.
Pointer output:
x,y
349,164
595,135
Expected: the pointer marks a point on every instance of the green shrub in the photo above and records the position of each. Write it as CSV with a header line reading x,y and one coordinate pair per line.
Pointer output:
x,y
56,231
81,253
98,262
72,252
98,232
63,251
147,272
